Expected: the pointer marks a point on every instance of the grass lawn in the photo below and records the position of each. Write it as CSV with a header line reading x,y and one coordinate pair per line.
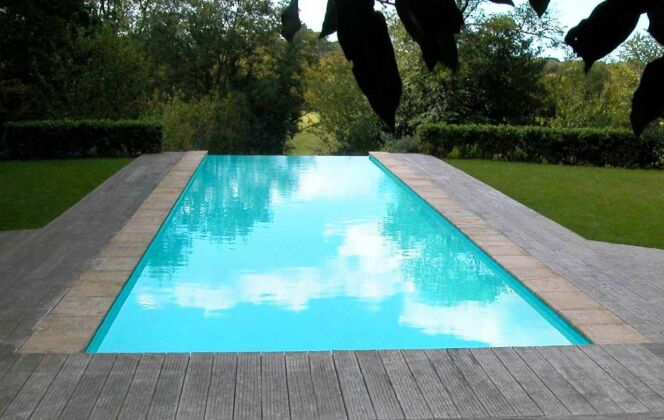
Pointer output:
x,y
306,142
613,205
32,193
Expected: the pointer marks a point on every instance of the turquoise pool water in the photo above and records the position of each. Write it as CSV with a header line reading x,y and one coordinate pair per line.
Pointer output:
x,y
316,253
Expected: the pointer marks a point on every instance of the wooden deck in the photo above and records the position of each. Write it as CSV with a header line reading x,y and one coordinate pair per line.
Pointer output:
x,y
590,382
622,380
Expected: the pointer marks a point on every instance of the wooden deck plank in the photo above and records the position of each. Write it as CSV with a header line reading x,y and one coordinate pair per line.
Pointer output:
x,y
248,387
531,384
634,385
300,387
437,398
143,384
505,382
89,386
566,393
647,371
274,386
451,377
326,386
110,400
594,394
354,390
492,400
164,402
384,399
221,397
64,384
7,360
408,393
14,379
621,396
35,387
195,389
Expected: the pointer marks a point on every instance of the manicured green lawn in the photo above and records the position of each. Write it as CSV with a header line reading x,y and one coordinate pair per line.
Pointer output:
x,y
306,142
32,193
613,205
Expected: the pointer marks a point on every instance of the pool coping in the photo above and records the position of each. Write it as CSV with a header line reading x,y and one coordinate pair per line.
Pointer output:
x,y
71,324
588,316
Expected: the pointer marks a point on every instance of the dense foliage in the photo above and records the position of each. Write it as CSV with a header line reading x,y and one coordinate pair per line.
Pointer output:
x,y
434,25
121,59
573,146
80,138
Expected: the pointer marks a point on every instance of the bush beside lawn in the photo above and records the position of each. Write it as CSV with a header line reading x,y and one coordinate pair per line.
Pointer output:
x,y
55,139
570,146
32,193
604,204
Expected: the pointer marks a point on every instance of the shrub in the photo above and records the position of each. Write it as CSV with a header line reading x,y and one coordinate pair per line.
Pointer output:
x,y
219,125
587,146
52,139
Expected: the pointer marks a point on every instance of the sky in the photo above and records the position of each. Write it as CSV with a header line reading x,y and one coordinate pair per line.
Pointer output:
x,y
569,13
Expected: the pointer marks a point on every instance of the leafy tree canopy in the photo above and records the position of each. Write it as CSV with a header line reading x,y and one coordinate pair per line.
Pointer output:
x,y
435,25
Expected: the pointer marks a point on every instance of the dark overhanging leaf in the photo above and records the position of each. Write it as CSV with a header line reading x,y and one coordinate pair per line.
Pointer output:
x,y
656,17
433,24
365,41
540,6
608,26
290,21
330,22
510,2
648,101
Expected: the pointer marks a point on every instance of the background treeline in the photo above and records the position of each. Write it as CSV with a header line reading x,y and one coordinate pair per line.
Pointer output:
x,y
214,74
505,78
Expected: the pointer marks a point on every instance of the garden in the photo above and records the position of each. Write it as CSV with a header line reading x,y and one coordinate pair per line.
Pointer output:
x,y
102,81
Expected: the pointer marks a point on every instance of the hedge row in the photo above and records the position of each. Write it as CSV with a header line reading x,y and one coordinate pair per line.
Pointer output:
x,y
597,147
80,138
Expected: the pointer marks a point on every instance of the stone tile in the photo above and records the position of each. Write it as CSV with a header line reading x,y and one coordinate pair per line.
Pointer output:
x,y
124,238
154,204
152,214
83,306
519,262
95,289
551,284
118,276
613,334
507,250
115,263
124,251
55,343
142,227
591,316
569,300
82,324
532,273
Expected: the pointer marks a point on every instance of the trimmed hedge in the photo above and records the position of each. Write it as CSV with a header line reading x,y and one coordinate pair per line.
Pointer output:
x,y
53,139
587,146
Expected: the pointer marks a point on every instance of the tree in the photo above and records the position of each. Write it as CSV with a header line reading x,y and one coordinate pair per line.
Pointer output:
x,y
499,78
598,99
345,115
434,24
36,44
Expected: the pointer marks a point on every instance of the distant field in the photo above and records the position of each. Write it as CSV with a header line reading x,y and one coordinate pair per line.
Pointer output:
x,y
613,205
307,142
32,193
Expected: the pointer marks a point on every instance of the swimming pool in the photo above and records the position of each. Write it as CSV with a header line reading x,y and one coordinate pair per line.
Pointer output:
x,y
275,253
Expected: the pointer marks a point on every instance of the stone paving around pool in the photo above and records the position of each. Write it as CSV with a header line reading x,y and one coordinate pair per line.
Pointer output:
x,y
70,326
586,314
